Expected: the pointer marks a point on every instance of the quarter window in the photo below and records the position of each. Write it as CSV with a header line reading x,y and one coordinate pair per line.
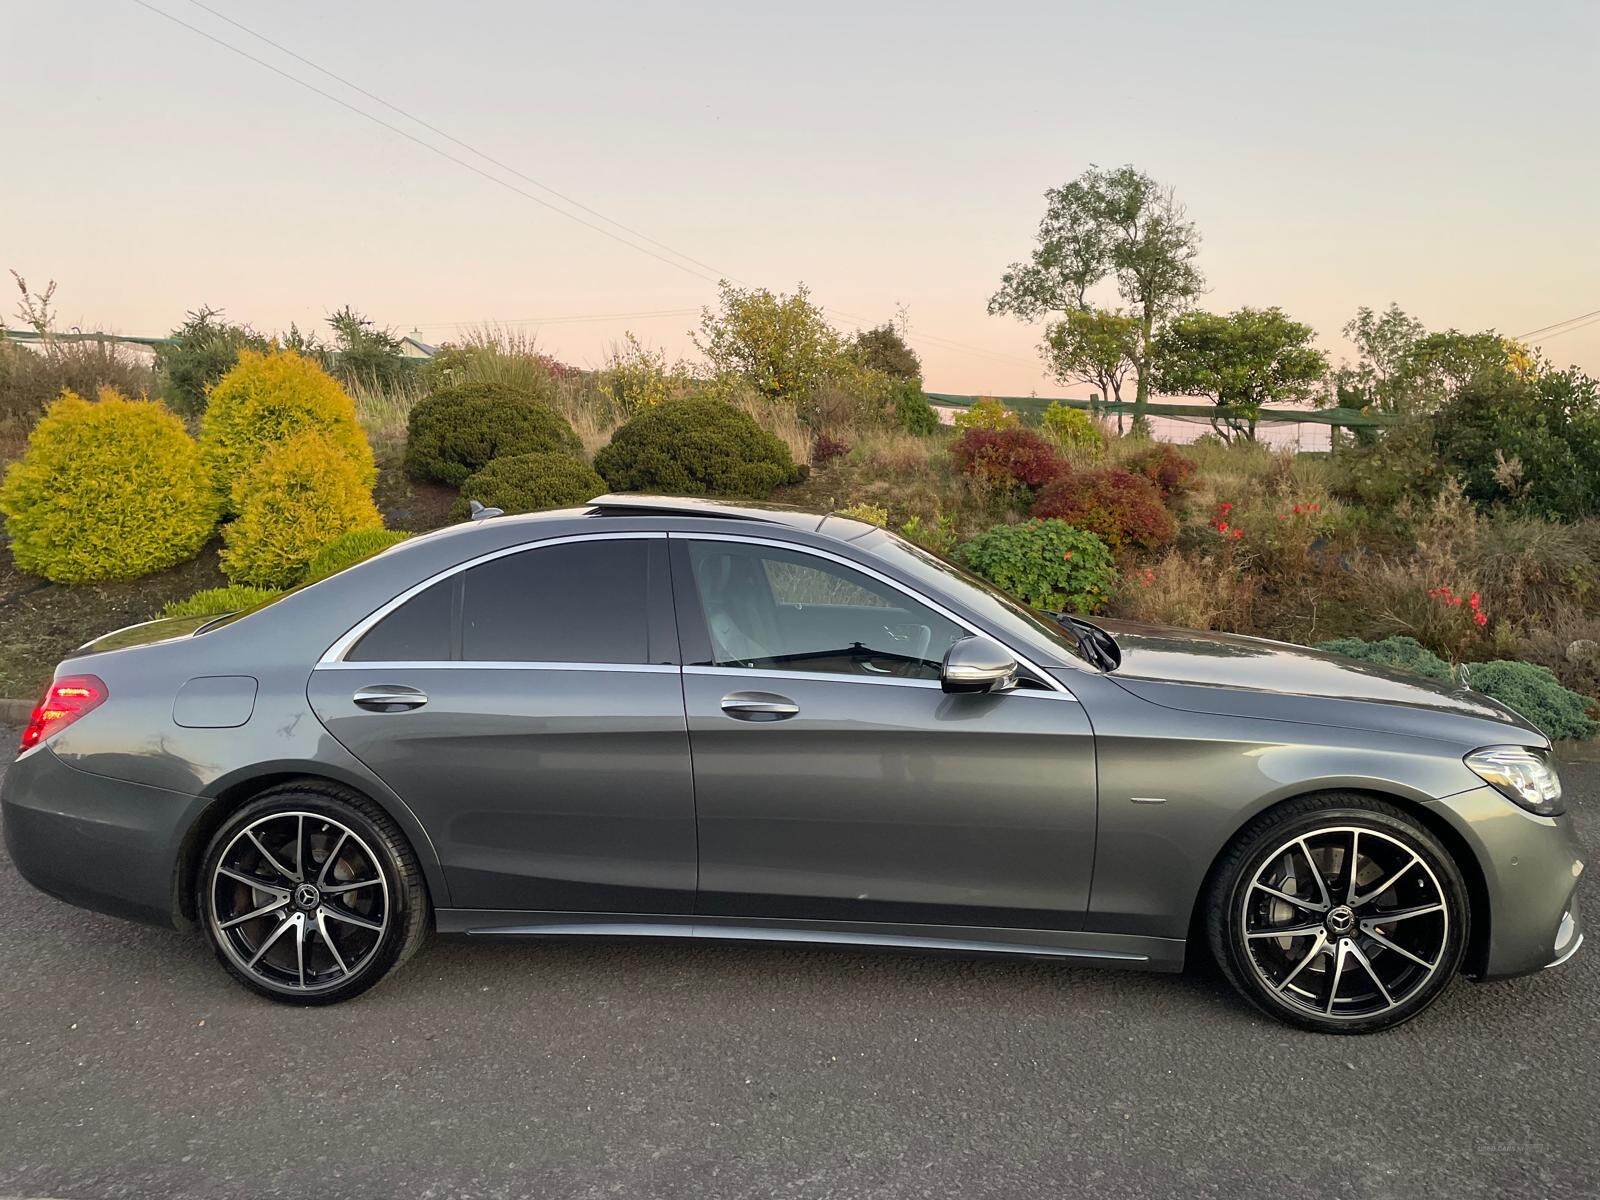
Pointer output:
x,y
776,609
417,631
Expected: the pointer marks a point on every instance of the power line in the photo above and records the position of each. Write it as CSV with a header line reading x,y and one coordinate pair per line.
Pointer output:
x,y
1594,319
410,137
432,128
1557,324
698,269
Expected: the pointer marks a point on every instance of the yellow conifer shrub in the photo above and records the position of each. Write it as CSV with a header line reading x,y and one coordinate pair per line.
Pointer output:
x,y
107,490
265,400
297,498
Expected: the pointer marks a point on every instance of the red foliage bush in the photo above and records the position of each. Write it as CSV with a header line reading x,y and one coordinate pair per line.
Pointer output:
x,y
1163,466
827,448
1123,508
1018,454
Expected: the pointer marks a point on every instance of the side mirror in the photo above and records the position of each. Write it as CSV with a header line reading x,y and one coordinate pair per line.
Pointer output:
x,y
977,664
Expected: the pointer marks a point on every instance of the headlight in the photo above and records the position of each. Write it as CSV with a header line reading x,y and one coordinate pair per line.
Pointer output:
x,y
1522,776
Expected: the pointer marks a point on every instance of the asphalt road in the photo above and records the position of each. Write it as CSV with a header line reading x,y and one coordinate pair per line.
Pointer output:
x,y
130,1067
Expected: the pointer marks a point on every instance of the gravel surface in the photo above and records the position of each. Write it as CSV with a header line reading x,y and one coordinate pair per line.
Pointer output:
x,y
132,1067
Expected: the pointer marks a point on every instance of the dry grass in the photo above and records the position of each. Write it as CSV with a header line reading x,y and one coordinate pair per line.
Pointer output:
x,y
1190,591
383,413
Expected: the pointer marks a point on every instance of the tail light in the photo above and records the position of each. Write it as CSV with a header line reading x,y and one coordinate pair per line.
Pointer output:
x,y
69,698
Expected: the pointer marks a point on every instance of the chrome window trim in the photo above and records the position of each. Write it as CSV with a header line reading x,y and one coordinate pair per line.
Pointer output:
x,y
334,654
1057,688
462,664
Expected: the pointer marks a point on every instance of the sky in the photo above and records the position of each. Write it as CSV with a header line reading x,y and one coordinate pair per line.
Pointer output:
x,y
890,155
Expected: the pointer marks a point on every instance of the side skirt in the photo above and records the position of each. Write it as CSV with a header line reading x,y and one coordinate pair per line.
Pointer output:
x,y
1098,949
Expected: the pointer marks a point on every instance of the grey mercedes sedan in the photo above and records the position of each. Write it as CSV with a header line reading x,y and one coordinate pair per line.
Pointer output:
x,y
655,717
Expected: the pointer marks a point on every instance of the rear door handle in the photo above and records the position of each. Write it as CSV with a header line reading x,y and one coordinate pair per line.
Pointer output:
x,y
759,706
389,697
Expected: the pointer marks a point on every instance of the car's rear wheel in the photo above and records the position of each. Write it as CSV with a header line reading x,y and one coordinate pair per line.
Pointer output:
x,y
310,895
1339,913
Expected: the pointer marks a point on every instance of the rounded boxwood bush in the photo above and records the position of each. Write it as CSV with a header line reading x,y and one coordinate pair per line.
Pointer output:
x,y
265,400
297,499
530,482
348,549
1123,508
217,601
459,430
1047,564
695,447
108,490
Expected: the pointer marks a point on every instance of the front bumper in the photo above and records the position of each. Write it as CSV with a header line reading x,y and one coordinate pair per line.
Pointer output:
x,y
1530,867
93,841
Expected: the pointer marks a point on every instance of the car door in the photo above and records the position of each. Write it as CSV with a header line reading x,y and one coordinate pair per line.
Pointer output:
x,y
836,781
528,708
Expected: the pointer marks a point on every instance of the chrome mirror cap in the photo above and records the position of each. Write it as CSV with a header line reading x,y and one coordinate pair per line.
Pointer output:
x,y
978,664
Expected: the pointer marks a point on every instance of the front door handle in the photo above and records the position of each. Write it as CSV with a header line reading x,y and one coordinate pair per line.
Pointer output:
x,y
390,697
759,706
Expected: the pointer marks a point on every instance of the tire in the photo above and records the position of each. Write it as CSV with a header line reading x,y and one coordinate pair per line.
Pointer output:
x,y
1347,960
310,895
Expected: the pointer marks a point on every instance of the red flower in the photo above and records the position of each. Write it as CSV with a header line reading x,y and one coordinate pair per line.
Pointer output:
x,y
1480,618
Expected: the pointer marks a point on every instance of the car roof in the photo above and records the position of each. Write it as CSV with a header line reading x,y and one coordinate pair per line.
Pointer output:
x,y
620,504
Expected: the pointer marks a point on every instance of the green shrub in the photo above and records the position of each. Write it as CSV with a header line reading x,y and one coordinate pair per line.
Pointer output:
x,y
1400,653
459,430
872,514
1124,509
1072,428
348,549
267,399
938,535
217,601
987,413
530,482
110,490
301,495
695,447
1047,564
912,412
1535,693
883,349
201,351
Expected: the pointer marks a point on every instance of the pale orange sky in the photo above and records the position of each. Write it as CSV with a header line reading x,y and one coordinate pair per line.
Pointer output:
x,y
1438,154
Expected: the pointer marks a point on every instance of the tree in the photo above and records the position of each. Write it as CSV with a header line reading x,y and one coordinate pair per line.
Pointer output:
x,y
780,344
1119,223
1404,369
1241,362
365,353
202,350
1095,346
883,349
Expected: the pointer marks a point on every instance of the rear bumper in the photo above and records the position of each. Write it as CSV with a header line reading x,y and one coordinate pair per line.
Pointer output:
x,y
1531,867
96,842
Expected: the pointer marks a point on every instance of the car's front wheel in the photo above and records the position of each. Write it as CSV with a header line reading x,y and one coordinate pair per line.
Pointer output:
x,y
1339,913
310,895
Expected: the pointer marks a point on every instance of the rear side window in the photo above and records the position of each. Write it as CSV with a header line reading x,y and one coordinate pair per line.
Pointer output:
x,y
417,631
580,602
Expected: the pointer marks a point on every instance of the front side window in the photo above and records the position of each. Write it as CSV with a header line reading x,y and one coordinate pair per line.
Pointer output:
x,y
775,609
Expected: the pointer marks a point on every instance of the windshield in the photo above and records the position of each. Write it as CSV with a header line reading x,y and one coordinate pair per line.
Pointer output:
x,y
979,595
